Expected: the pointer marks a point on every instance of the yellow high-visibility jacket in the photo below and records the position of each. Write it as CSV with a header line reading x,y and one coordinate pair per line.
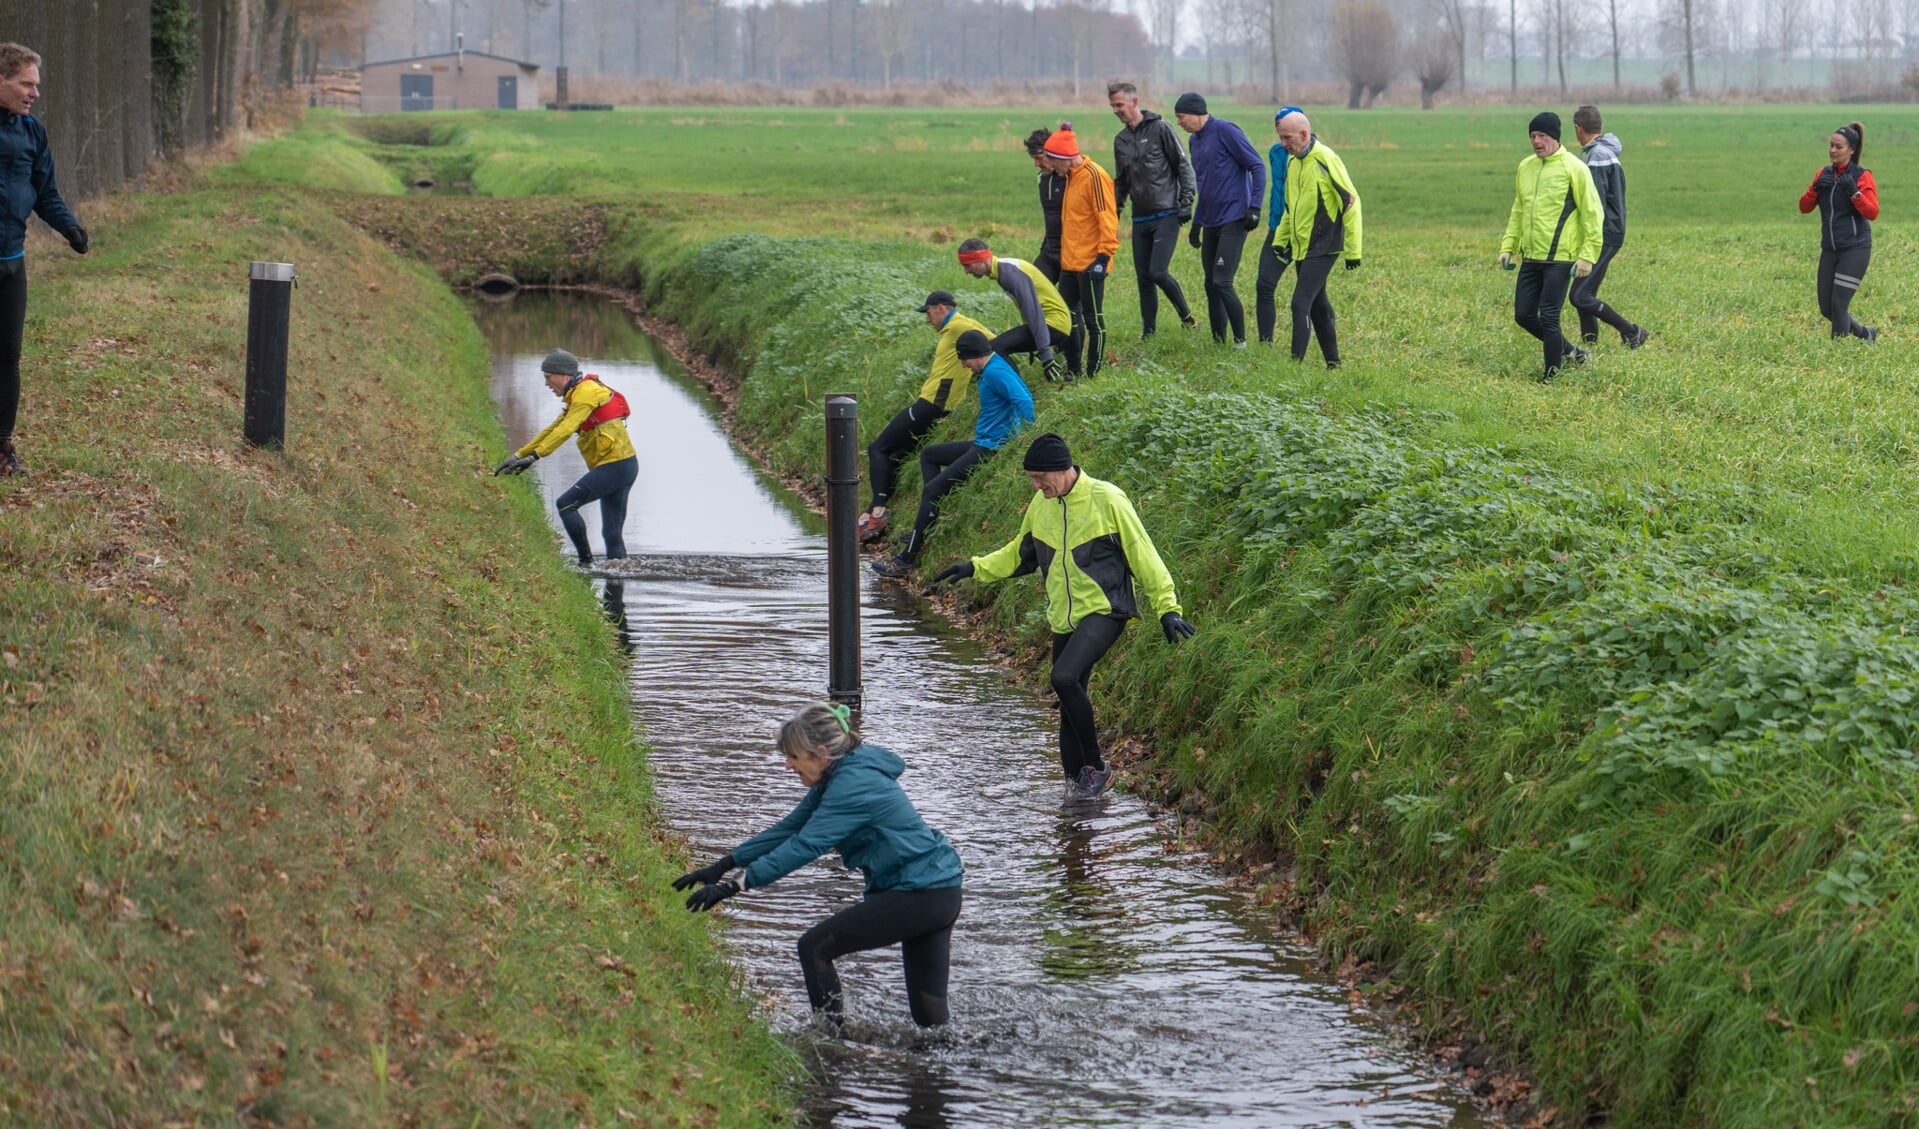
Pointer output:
x,y
1556,216
607,442
946,383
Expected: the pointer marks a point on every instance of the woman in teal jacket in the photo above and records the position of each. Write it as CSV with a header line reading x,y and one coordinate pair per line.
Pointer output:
x,y
853,804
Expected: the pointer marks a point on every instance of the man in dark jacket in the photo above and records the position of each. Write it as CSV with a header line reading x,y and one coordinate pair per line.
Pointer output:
x,y
27,187
1231,179
1602,157
1052,193
1151,169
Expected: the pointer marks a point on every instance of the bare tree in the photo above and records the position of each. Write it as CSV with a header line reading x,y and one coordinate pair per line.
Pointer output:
x,y
1562,25
1365,49
1433,63
1162,26
1612,26
1451,16
1683,24
1512,38
1277,25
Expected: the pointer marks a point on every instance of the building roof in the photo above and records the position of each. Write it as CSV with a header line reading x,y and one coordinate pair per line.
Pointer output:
x,y
450,55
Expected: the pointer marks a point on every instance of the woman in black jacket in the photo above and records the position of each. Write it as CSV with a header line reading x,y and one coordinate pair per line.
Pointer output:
x,y
1848,202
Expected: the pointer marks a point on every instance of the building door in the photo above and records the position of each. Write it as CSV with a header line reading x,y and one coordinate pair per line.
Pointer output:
x,y
416,92
509,92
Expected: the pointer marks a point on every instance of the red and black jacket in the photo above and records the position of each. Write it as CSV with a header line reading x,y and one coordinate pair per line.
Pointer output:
x,y
1848,202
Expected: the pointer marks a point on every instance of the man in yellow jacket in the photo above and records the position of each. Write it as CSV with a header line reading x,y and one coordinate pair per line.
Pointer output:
x,y
1321,224
1553,236
1084,538
596,416
1088,240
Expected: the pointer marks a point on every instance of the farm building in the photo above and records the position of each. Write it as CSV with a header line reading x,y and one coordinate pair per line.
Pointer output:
x,y
454,80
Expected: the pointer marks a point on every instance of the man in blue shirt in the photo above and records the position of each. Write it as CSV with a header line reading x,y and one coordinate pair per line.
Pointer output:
x,y
1005,406
1271,266
26,188
1231,180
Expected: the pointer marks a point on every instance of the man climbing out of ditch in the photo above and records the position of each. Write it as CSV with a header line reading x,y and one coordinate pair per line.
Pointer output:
x,y
1005,406
1087,543
945,384
596,415
1046,326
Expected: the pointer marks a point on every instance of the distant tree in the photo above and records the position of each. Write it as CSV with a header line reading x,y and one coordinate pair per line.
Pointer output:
x,y
1451,17
1365,49
1433,64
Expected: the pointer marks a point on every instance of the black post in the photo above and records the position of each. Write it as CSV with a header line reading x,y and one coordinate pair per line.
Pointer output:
x,y
842,549
269,303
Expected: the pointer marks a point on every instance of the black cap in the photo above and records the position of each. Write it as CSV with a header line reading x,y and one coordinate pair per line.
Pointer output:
x,y
972,345
1546,122
939,298
1189,103
1049,452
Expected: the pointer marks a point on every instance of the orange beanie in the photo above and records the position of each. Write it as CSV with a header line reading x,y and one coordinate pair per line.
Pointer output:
x,y
1062,145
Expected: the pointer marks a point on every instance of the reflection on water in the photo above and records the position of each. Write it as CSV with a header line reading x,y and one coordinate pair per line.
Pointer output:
x,y
1102,974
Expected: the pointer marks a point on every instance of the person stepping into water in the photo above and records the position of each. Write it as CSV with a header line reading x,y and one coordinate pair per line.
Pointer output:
x,y
596,415
853,804
1087,543
1005,406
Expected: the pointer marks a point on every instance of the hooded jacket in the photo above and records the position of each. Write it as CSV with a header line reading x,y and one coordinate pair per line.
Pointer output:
x,y
1847,201
1089,218
1089,546
1228,172
1151,169
1609,180
605,443
858,809
27,182
1556,216
1322,207
1276,159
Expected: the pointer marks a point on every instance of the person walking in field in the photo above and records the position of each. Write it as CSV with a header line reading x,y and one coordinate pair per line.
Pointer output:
x,y
853,805
1052,193
1005,406
1085,540
1602,160
595,416
944,386
1271,267
28,186
1152,171
1552,235
1848,202
1321,225
1046,325
1088,240
1232,181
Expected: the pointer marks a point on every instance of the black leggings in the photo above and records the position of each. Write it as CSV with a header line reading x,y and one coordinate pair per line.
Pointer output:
x,y
896,441
1085,294
1537,297
607,483
1220,248
1271,268
1840,273
1019,339
1073,658
1585,299
13,322
1153,244
1313,311
942,467
920,922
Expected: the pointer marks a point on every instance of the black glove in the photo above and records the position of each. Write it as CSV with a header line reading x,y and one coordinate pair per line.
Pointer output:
x,y
1175,627
1193,234
1848,182
711,872
1352,264
1285,253
1252,218
1098,269
514,464
1055,369
950,574
1185,216
77,239
711,894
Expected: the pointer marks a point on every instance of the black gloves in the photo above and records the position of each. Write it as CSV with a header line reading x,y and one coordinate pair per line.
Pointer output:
x,y
1098,269
1193,234
711,894
1285,253
77,239
1848,182
1055,369
1252,218
711,872
514,464
951,573
1352,264
1185,216
1175,627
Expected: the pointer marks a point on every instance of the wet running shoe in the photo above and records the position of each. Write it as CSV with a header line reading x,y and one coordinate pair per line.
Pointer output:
x,y
893,568
870,527
9,461
1639,335
1094,782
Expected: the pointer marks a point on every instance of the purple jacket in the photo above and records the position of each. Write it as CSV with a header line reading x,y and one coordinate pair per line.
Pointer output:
x,y
1231,174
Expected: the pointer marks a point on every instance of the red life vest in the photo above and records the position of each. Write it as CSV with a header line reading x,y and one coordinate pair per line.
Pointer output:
x,y
614,408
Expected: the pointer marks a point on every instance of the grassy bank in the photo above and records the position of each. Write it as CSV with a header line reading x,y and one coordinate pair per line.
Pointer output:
x,y
322,803
1584,709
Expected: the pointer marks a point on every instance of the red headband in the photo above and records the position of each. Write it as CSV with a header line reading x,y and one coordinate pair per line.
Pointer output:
x,y
968,258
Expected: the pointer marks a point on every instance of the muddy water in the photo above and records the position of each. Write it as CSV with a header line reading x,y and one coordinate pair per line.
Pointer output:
x,y
1103,974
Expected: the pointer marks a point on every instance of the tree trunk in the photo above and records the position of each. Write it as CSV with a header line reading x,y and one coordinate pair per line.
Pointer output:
x,y
1692,85
1512,38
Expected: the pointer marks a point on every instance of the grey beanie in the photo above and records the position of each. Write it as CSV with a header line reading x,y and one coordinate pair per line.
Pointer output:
x,y
562,362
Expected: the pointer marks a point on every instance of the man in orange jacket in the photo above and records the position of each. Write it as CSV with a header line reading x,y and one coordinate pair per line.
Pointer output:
x,y
1088,240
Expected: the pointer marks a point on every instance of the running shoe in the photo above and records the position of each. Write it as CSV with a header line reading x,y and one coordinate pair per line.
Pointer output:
x,y
9,461
870,527
1872,338
1579,356
1639,336
1190,321
1095,782
893,567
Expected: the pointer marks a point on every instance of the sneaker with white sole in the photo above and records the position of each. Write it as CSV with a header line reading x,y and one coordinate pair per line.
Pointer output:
x,y
893,567
870,527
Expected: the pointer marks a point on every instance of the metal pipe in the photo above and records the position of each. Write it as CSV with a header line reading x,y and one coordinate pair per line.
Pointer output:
x,y
269,306
842,549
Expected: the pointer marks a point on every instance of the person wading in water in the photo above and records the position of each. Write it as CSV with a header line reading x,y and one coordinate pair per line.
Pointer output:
x,y
597,416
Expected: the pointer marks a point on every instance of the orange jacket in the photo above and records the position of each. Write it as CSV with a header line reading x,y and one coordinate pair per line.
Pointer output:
x,y
1089,218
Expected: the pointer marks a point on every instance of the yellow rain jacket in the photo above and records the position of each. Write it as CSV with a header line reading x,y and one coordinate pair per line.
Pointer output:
x,y
947,382
1090,547
1557,216
606,442
1322,207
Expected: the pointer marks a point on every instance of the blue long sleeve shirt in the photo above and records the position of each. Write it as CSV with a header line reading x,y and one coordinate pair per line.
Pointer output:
x,y
1005,405
1276,198
1231,176
26,184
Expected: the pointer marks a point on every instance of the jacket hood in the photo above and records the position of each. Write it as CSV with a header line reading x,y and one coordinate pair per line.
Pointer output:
x,y
1147,116
870,758
1606,144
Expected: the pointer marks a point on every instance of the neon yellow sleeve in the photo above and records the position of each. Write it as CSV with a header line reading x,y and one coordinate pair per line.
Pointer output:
x,y
1149,572
579,404
1592,214
1516,222
1011,558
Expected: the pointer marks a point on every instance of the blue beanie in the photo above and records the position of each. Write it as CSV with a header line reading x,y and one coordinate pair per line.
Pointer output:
x,y
1284,110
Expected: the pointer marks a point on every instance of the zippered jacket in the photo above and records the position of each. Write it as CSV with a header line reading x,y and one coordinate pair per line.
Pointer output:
x,y
1844,216
1609,180
1556,216
1037,299
603,443
1089,218
859,810
1322,206
947,379
1052,194
28,184
1228,172
1089,546
1151,169
1005,405
1276,159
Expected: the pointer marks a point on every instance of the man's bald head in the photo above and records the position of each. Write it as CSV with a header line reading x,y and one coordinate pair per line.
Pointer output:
x,y
1295,132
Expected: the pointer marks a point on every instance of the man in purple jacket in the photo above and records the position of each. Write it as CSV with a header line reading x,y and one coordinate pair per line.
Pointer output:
x,y
1232,181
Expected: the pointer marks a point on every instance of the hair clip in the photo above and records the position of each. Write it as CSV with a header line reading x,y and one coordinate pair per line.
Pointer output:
x,y
844,716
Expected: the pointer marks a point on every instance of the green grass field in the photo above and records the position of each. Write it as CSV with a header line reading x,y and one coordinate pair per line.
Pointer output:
x,y
1584,709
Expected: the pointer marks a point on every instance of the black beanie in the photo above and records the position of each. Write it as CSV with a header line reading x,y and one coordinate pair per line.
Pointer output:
x,y
1546,122
1049,452
1189,103
972,345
